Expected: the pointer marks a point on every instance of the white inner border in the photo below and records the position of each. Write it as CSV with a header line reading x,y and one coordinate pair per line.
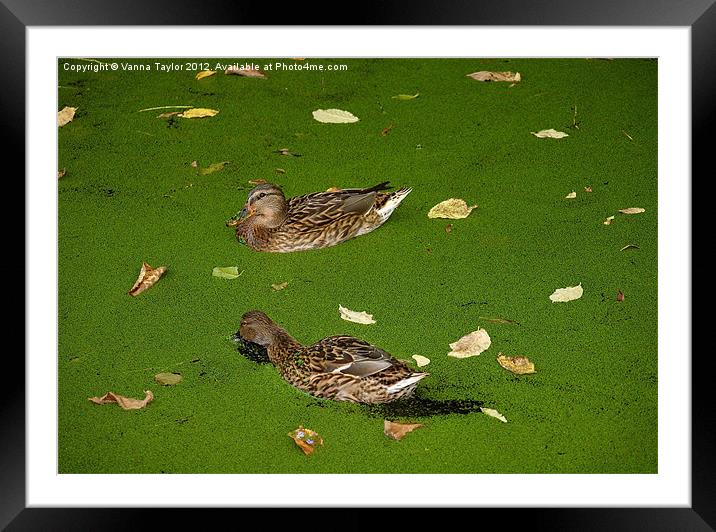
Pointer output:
x,y
670,487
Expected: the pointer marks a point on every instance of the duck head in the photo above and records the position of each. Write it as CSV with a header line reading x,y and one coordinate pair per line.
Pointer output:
x,y
257,328
265,205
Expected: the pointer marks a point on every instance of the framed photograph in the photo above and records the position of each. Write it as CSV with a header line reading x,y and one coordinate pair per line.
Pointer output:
x,y
444,265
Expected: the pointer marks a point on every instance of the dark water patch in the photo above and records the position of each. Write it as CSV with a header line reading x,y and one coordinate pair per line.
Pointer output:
x,y
423,407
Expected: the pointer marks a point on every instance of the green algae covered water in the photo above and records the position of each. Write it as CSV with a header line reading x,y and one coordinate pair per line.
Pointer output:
x,y
130,194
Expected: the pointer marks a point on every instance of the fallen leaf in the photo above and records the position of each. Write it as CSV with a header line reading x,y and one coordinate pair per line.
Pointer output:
x,y
198,112
498,320
608,221
356,317
421,361
226,272
279,286
471,344
194,164
571,195
287,152
334,116
484,75
215,167
562,295
245,72
205,74
452,208
65,116
448,228
519,365
493,413
147,277
165,107
385,131
257,182
279,171
306,439
168,379
61,173
333,189
587,189
632,210
550,134
620,296
406,96
167,115
627,135
397,431
126,403
629,246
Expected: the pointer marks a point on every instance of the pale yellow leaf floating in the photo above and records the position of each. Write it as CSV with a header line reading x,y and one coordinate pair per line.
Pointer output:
x,y
198,112
484,75
406,96
215,167
550,134
452,208
205,74
356,317
65,116
397,431
421,361
494,413
471,344
632,210
306,439
226,272
608,221
519,365
570,293
127,403
334,116
571,195
147,277
168,379
280,286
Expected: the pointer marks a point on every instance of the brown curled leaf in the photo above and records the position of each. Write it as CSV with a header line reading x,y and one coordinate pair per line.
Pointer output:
x,y
147,277
519,365
127,403
397,431
306,439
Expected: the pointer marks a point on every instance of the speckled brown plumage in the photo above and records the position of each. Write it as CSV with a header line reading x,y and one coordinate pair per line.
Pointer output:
x,y
341,368
270,222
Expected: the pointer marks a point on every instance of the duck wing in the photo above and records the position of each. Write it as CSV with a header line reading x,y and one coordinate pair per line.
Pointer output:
x,y
322,208
349,356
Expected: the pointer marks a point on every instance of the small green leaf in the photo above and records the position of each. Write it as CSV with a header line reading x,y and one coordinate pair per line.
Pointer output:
x,y
226,272
168,379
406,96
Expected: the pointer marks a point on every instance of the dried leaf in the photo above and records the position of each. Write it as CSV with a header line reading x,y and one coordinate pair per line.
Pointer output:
x,y
168,379
571,195
287,152
306,439
385,131
608,221
471,344
620,296
397,431
452,208
448,228
570,293
550,134
629,246
245,72
279,171
194,164
198,112
61,173
498,320
588,189
484,75
421,361
519,365
632,210
66,115
215,167
493,413
279,286
406,96
205,74
226,272
126,403
334,116
257,182
356,317
147,277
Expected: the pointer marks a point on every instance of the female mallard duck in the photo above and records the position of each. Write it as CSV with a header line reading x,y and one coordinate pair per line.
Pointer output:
x,y
341,368
270,222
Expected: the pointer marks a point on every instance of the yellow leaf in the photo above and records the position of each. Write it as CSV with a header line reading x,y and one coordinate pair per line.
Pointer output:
x,y
334,116
65,116
495,76
471,344
570,293
147,277
519,365
356,317
451,208
198,112
205,74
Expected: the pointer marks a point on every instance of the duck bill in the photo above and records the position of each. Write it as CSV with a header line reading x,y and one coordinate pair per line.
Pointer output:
x,y
238,218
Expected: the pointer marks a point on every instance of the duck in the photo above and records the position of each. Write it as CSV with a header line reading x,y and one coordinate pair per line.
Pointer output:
x,y
269,222
339,368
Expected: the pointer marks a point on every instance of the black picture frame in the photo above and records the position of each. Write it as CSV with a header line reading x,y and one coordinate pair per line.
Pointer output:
x,y
16,15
